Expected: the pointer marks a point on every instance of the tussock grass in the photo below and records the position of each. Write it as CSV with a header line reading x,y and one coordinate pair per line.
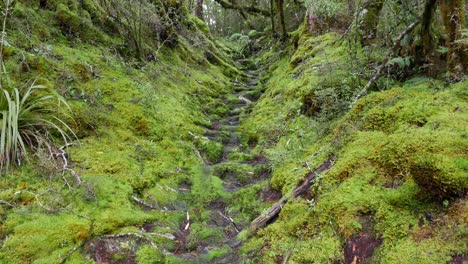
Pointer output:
x,y
29,118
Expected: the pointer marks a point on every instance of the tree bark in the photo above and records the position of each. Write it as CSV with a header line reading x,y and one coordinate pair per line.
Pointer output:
x,y
371,10
427,41
272,17
280,7
453,17
199,9
313,23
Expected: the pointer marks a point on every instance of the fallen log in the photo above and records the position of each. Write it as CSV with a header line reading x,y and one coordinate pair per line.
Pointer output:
x,y
302,189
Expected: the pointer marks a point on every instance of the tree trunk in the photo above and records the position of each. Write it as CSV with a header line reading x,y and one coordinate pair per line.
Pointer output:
x,y
280,7
371,10
315,26
424,49
453,16
199,9
272,17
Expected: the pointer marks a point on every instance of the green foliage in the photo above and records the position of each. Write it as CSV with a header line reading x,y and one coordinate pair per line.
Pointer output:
x,y
327,9
29,118
240,41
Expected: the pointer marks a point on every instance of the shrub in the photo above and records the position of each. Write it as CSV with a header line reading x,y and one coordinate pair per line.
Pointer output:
x,y
27,119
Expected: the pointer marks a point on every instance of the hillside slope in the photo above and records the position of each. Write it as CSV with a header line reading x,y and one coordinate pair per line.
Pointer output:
x,y
180,142
137,123
396,190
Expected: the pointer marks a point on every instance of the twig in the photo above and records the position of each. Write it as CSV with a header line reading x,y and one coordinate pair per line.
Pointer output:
x,y
308,166
230,220
171,189
140,201
70,252
7,203
187,226
196,136
168,236
37,200
62,154
242,98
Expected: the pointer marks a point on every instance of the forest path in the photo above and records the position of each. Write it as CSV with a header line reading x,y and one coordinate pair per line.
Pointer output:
x,y
236,174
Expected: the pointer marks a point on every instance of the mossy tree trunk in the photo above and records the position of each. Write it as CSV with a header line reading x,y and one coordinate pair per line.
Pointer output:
x,y
371,11
272,17
453,14
280,7
313,22
425,48
199,9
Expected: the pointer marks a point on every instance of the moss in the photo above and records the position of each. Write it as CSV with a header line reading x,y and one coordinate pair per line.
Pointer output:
x,y
76,26
399,158
133,124
149,255
216,253
212,150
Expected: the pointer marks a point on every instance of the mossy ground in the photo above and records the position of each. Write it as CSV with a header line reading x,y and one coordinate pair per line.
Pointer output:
x,y
400,172
136,125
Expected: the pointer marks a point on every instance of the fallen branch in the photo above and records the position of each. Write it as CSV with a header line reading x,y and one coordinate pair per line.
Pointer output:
x,y
197,137
380,69
62,154
242,98
7,203
230,220
141,202
300,190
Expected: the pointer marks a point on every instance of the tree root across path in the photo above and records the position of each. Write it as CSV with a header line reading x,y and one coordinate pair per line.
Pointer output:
x,y
299,191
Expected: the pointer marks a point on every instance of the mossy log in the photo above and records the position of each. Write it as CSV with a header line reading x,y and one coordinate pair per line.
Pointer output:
x,y
301,190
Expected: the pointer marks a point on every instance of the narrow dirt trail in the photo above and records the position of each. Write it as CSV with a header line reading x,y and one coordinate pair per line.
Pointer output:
x,y
227,131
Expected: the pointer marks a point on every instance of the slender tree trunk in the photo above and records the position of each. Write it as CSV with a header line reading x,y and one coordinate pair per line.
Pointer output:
x,y
427,41
370,20
313,22
453,16
280,7
199,9
272,17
